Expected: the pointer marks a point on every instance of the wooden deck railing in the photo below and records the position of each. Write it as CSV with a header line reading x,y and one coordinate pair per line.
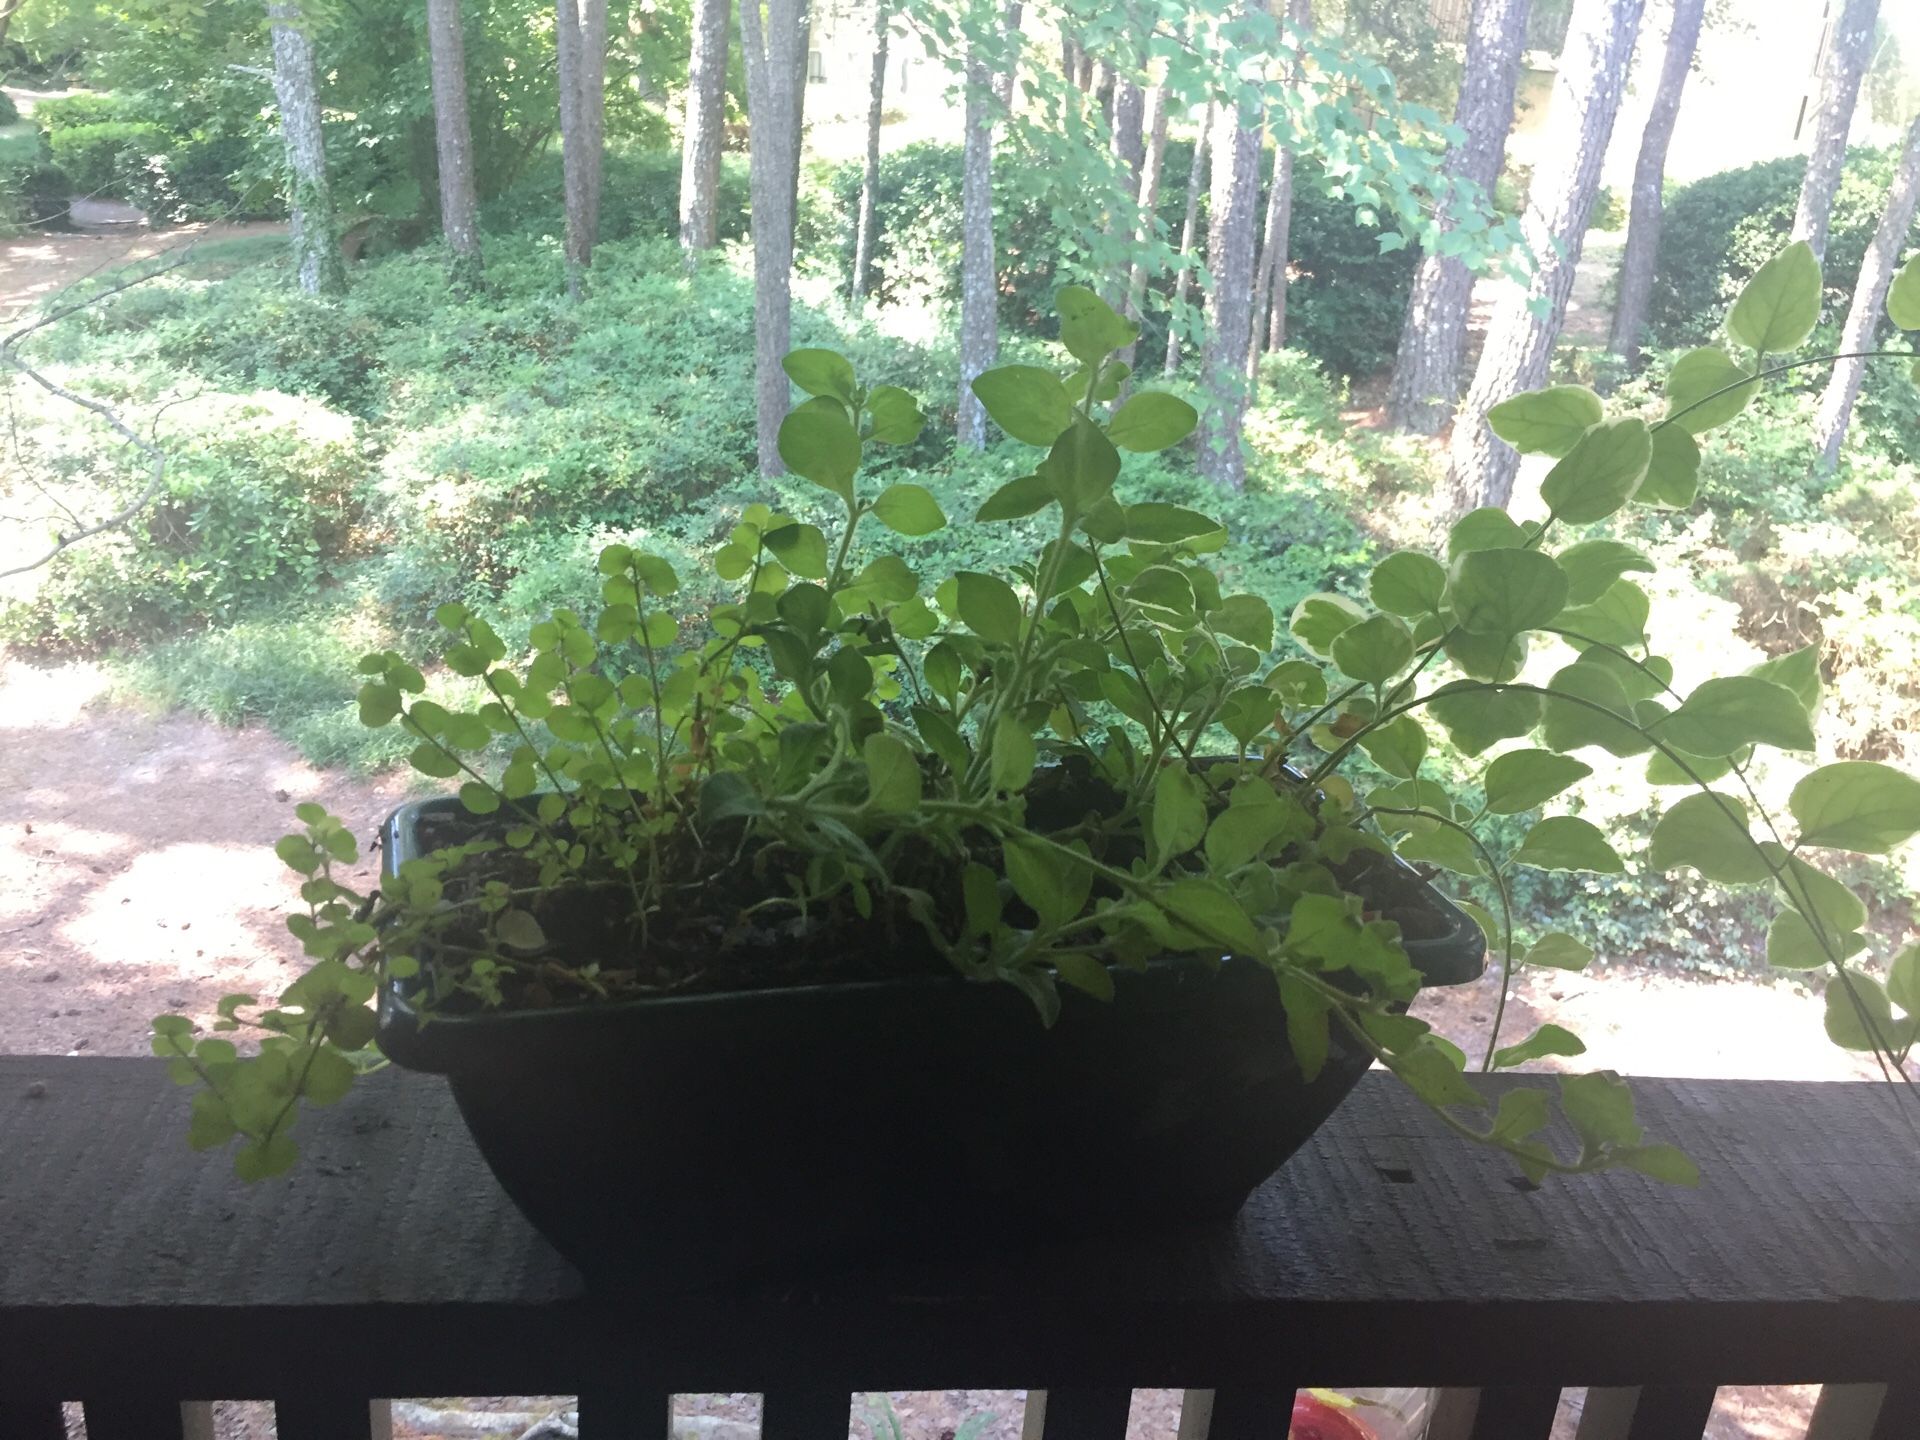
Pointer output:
x,y
135,1275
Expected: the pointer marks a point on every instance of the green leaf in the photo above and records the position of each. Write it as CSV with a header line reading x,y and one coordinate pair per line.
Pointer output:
x,y
1027,402
1695,402
893,774
1593,565
1319,618
1011,760
1903,296
1435,1077
1673,474
1408,583
1547,1040
263,1160
1445,847
1307,1023
817,442
1089,328
1799,671
726,795
988,607
1903,978
1780,305
820,372
1240,833
519,930
1708,831
1505,592
1246,618
1546,422
1151,420
1476,716
1488,528
1179,812
1211,913
1831,907
909,510
1793,944
1298,683
1495,658
1860,1016
1666,1163
478,798
1054,886
1617,618
801,548
1376,649
1083,972
1082,465
1722,715
1601,473
1526,779
1856,805
1017,499
1521,1113
1566,842
895,414
1165,524
1575,722
1558,952
1600,1108
1397,747
980,890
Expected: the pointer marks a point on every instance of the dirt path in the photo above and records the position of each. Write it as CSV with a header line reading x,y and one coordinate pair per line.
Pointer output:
x,y
33,267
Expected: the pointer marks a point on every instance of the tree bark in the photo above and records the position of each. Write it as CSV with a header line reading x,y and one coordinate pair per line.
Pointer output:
x,y
1152,163
1232,199
775,94
314,228
1006,86
1863,315
580,43
1269,331
706,117
868,223
1586,100
1183,270
1433,337
453,138
1848,45
1129,139
1649,174
979,321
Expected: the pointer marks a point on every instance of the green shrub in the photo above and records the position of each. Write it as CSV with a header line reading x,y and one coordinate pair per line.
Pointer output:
x,y
9,112
1719,230
99,158
198,178
640,198
262,493
70,112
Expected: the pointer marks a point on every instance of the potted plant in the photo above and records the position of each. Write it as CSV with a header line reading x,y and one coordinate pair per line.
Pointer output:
x,y
886,910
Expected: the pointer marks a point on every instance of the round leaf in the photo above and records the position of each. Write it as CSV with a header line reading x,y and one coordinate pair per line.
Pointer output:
x,y
1505,592
1546,422
988,606
909,510
1601,473
1705,389
1856,805
1408,583
1151,420
1524,779
1375,650
1027,402
1780,305
1903,296
1708,831
820,372
817,441
1566,842
1722,715
1593,565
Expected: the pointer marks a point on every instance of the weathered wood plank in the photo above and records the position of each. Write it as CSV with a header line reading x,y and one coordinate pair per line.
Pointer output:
x,y
1086,1412
619,1409
1899,1417
1846,1412
1671,1412
1252,1412
1515,1412
805,1415
1387,1252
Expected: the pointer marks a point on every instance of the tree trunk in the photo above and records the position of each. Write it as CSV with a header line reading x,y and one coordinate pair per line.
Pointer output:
x,y
774,102
296,87
868,223
1196,173
453,138
1649,172
706,118
580,43
1006,86
1848,44
1269,329
1232,199
1104,89
1069,56
1152,163
1863,316
979,327
1586,99
1129,140
1433,337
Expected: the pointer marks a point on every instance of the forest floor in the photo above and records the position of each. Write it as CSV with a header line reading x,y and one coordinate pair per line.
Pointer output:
x,y
137,877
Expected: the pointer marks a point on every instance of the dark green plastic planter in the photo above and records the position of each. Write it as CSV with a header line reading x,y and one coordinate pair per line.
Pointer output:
x,y
691,1140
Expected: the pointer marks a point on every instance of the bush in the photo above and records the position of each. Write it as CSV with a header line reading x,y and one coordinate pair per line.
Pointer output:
x,y
263,491
9,112
640,198
99,158
70,112
1719,230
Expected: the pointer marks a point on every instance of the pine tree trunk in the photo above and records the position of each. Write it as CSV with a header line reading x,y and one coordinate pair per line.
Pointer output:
x,y
1270,272
1183,271
1863,316
1152,163
979,327
1848,47
1006,86
776,53
314,228
1586,100
580,43
453,138
706,117
1069,56
1233,198
1649,174
1433,337
1129,140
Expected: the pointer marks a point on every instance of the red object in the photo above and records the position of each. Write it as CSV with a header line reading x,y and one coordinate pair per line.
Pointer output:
x,y
1315,1419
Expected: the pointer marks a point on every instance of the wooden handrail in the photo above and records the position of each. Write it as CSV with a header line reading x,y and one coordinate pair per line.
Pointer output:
x,y
135,1273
